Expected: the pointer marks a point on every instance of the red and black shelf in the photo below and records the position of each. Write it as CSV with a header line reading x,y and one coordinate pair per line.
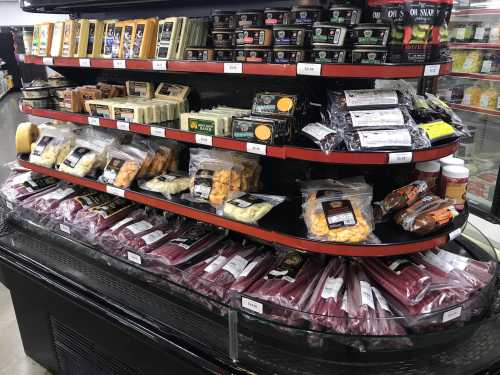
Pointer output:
x,y
280,152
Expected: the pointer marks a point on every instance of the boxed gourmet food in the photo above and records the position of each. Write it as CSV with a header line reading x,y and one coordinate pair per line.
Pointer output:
x,y
277,16
69,42
57,39
224,54
288,55
107,38
26,134
81,38
306,15
369,56
249,17
223,38
44,38
168,32
123,165
369,35
24,185
53,145
144,35
217,121
254,37
338,211
199,54
276,104
223,19
261,129
94,41
250,208
323,53
343,15
117,46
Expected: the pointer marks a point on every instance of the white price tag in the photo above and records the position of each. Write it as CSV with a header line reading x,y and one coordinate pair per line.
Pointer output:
x,y
119,64
203,139
48,61
85,63
234,68
157,132
64,228
456,233
256,148
432,70
159,65
252,305
452,314
309,69
400,157
94,121
133,257
9,205
115,191
123,125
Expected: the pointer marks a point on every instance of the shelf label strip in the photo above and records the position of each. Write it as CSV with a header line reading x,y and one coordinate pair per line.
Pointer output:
x,y
306,69
400,157
119,64
48,61
94,121
249,304
115,191
233,68
133,257
123,125
202,139
157,132
432,70
159,65
85,63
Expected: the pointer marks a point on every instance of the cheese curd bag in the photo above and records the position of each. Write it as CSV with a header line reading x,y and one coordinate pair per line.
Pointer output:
x,y
123,165
250,208
52,146
166,184
338,210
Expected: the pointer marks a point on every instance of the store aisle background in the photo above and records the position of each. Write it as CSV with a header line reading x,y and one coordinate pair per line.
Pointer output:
x,y
13,361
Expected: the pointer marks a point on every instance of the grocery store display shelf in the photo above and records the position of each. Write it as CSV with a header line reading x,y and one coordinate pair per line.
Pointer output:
x,y
475,45
469,108
281,152
273,228
284,70
485,77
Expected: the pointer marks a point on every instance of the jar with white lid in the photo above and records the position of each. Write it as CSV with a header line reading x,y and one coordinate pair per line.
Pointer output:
x,y
451,160
454,180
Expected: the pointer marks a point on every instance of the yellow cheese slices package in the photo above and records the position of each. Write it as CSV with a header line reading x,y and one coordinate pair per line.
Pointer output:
x,y
108,34
26,134
167,36
57,39
144,37
45,38
69,38
36,40
117,46
94,40
438,130
81,38
249,208
140,89
128,38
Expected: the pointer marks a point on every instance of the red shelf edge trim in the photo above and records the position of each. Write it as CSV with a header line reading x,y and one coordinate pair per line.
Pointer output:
x,y
279,152
270,236
467,108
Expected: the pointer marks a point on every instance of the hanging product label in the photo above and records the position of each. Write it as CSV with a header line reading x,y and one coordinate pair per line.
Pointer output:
x,y
249,269
385,138
216,264
153,237
366,294
332,287
378,118
236,266
364,98
339,213
111,170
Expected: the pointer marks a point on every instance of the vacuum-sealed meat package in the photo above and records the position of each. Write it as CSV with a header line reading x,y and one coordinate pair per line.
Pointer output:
x,y
252,272
323,134
338,211
387,324
400,277
26,184
406,138
108,240
324,308
69,208
188,242
147,234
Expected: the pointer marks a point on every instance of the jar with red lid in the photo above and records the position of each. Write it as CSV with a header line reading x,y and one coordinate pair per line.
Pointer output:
x,y
454,180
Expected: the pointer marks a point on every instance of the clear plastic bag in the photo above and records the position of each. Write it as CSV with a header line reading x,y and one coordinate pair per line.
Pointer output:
x,y
69,208
48,203
249,208
52,146
167,184
85,158
147,234
108,241
123,165
252,272
368,99
323,134
427,215
23,185
338,211
165,158
408,138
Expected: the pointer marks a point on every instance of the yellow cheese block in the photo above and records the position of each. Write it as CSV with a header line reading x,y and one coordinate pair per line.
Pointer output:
x,y
69,39
36,40
129,38
108,35
144,32
82,38
45,38
26,134
117,47
140,89
57,39
94,40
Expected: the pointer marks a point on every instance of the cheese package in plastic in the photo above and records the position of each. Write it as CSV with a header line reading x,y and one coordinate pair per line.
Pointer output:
x,y
57,39
140,89
52,146
168,34
128,112
36,40
94,41
69,39
167,184
208,124
117,47
100,108
123,165
128,38
45,38
172,91
144,37
81,38
108,34
250,208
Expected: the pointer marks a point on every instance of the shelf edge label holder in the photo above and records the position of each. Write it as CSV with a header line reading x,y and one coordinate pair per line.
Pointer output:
x,y
157,132
233,68
202,139
123,125
159,64
48,61
400,157
133,257
119,64
84,63
432,70
252,305
95,121
115,191
308,69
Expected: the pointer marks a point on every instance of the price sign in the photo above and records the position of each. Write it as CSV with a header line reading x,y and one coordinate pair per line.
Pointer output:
x,y
115,191
159,65
203,139
249,304
94,121
452,314
64,228
123,125
233,68
85,63
157,132
432,70
119,64
400,157
48,61
133,257
256,148
309,69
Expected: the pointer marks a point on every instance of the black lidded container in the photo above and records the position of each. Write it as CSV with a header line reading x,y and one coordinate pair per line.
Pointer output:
x,y
288,55
344,15
277,16
326,53
224,54
289,36
307,16
223,19
249,18
223,38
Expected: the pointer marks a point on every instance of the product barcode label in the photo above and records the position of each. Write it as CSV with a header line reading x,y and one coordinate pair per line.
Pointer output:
x,y
9,205
85,63
309,69
94,121
157,132
133,257
256,148
48,61
64,228
159,65
252,305
455,234
452,314
202,139
119,64
115,191
123,125
432,70
233,68
400,157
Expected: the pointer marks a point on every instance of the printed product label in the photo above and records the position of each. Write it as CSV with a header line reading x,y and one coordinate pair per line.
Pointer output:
x,y
184,242
379,118
420,13
317,131
139,227
456,261
273,104
332,287
486,67
245,201
399,265
121,223
236,266
124,114
385,138
153,237
138,89
460,33
456,191
438,262
484,101
139,35
100,110
60,194
381,300
366,294
215,265
115,50
249,268
438,129
466,99
112,208
331,36
362,98
41,145
288,268
203,183
92,199
206,127
127,41
479,34
370,37
74,157
112,169
107,44
339,213
344,302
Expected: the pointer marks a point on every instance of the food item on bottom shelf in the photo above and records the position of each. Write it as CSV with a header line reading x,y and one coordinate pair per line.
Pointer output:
x,y
69,208
400,199
26,134
199,54
275,104
252,272
403,279
338,211
427,215
167,184
123,165
53,145
288,55
369,56
250,208
454,180
328,54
